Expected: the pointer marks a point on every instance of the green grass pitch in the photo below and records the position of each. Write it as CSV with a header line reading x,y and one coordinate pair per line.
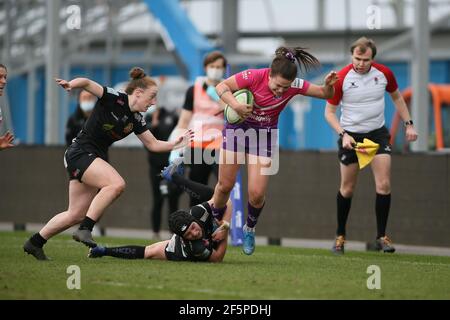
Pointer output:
x,y
270,273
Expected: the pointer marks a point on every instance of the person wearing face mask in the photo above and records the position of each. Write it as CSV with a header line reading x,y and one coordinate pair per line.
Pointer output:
x,y
86,103
203,114
360,93
93,183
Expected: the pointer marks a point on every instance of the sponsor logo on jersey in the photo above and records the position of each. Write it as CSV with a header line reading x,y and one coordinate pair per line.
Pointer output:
x,y
115,135
75,173
128,128
353,85
297,83
245,75
260,118
108,127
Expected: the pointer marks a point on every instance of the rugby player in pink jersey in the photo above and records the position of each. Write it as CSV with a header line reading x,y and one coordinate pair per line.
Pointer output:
x,y
256,137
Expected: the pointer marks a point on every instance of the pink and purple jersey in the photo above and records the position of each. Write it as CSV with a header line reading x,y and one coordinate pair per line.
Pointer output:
x,y
266,106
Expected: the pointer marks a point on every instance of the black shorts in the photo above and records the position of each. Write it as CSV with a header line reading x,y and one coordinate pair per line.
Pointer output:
x,y
380,136
77,160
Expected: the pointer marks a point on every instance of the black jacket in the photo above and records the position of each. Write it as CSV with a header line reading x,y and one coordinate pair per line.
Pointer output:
x,y
167,121
74,125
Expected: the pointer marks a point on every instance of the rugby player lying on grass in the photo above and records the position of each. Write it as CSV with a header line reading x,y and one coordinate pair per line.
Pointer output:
x,y
197,235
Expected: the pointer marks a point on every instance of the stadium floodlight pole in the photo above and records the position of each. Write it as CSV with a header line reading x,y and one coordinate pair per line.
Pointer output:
x,y
31,105
230,26
420,74
51,71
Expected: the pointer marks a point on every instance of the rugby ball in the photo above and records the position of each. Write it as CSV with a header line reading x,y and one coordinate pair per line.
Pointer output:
x,y
243,96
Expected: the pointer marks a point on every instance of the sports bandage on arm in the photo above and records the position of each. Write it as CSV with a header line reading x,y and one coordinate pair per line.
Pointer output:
x,y
224,226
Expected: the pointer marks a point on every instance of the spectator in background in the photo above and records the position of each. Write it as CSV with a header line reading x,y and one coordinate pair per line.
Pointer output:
x,y
202,112
161,123
86,103
7,139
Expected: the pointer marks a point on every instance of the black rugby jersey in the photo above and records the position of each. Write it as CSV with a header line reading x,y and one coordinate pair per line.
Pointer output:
x,y
110,121
196,250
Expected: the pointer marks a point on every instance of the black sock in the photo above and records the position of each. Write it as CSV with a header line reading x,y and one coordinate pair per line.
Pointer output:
x,y
194,189
382,206
37,240
87,224
126,252
343,208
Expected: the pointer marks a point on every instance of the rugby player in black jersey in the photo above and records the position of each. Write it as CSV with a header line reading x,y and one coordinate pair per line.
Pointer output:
x,y
94,183
198,236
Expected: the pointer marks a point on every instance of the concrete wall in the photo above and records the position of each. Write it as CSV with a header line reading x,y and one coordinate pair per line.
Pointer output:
x,y
300,199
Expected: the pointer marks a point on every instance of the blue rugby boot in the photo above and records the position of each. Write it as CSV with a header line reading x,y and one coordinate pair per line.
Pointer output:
x,y
175,167
249,240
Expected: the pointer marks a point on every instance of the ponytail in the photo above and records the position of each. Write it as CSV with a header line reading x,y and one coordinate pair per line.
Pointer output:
x,y
284,62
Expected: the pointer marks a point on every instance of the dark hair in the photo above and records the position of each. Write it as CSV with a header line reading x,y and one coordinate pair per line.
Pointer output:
x,y
213,56
139,80
363,44
284,62
3,66
179,222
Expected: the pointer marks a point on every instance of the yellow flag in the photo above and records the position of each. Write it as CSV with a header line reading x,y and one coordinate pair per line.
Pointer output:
x,y
366,151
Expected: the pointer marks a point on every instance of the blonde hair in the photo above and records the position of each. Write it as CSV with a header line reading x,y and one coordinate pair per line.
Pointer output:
x,y
139,80
363,44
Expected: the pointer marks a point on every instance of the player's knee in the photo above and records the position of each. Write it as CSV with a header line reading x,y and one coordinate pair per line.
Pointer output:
x,y
225,186
256,198
118,187
347,190
384,187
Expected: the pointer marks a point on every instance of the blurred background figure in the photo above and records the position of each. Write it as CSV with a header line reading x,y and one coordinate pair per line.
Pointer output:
x,y
161,123
86,103
6,139
201,112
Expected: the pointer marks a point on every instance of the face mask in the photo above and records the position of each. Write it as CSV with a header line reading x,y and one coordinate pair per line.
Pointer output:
x,y
87,106
214,74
